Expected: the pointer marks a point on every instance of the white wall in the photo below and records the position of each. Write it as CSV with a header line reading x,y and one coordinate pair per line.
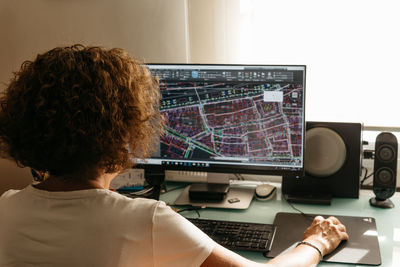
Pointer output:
x,y
213,24
152,30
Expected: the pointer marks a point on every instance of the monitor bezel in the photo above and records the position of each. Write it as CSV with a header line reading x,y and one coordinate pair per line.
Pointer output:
x,y
231,168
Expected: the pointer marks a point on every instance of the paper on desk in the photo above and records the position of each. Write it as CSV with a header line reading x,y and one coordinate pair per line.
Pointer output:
x,y
128,178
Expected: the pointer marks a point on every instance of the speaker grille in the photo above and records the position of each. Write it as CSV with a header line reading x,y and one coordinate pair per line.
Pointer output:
x,y
385,165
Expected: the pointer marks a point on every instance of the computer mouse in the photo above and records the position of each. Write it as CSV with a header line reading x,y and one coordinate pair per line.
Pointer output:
x,y
265,191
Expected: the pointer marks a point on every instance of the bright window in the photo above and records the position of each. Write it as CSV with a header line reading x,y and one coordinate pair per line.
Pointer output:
x,y
351,49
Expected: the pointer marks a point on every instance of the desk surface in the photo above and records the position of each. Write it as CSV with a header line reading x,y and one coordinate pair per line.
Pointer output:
x,y
387,220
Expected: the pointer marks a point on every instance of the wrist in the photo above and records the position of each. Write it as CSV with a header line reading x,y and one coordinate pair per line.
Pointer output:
x,y
318,243
309,244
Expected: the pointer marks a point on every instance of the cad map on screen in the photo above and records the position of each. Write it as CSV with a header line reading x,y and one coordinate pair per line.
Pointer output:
x,y
227,113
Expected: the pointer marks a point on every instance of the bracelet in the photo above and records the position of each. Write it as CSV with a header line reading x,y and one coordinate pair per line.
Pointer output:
x,y
311,245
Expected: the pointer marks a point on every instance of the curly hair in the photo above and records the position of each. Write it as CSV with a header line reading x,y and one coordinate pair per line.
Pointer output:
x,y
80,109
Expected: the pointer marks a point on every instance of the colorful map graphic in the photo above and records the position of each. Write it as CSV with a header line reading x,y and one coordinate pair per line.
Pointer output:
x,y
249,121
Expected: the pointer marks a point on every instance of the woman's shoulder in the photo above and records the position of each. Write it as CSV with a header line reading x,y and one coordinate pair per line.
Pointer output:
x,y
125,200
8,194
120,203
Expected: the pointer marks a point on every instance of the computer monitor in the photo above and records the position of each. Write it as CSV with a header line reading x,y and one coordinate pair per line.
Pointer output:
x,y
246,119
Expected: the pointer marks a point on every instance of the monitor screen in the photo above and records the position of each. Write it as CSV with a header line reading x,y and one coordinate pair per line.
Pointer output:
x,y
231,118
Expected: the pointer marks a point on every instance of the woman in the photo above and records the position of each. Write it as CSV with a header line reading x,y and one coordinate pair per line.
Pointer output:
x,y
83,114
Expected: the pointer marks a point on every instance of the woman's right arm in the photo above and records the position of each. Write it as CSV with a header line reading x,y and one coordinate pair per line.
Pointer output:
x,y
324,235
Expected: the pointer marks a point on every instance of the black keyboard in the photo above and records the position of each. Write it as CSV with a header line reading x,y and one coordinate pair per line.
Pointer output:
x,y
238,235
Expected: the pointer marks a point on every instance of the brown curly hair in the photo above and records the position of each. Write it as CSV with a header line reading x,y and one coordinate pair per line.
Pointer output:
x,y
80,109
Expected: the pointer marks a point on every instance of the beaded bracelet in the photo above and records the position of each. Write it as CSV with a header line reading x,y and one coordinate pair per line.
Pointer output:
x,y
311,245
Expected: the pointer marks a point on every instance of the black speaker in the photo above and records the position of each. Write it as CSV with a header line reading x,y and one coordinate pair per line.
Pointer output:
x,y
333,153
385,168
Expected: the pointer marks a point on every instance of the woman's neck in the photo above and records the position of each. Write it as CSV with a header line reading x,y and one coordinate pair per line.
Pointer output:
x,y
56,183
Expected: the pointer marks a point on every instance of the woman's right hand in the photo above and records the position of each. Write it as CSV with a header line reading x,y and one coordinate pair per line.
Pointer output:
x,y
326,234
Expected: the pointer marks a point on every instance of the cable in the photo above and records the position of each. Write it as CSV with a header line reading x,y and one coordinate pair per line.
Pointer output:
x,y
147,192
141,192
192,208
239,176
296,209
366,175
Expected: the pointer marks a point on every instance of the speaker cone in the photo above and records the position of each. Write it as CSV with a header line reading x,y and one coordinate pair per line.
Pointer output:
x,y
385,153
384,176
325,152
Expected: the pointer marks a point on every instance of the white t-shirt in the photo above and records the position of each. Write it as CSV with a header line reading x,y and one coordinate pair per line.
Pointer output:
x,y
95,227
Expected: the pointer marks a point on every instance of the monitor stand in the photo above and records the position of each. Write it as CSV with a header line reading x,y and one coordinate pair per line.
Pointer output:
x,y
236,198
216,188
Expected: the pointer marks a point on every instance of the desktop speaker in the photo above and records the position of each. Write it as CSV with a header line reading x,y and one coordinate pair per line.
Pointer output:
x,y
385,168
333,153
